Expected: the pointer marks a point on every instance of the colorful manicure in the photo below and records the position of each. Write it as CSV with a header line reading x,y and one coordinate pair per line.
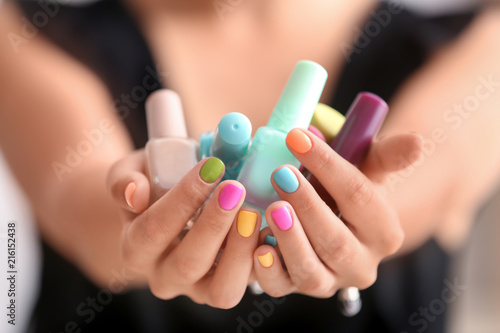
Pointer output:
x,y
129,194
266,260
271,240
286,180
283,218
246,223
299,141
230,196
211,170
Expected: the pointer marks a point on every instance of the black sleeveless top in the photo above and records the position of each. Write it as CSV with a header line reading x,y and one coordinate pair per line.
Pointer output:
x,y
104,37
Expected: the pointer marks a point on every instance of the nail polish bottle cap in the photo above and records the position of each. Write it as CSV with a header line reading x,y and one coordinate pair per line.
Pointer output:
x,y
232,138
235,128
363,120
164,114
328,120
298,100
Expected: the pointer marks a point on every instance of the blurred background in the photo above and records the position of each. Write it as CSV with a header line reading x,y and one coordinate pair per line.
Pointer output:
x,y
478,267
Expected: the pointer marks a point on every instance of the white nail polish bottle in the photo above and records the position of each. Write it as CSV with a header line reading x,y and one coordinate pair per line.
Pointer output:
x,y
170,153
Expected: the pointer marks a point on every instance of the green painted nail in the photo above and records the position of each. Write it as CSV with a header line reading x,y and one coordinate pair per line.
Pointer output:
x,y
212,169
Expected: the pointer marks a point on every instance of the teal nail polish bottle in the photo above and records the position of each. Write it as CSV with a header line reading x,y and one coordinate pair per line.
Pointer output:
x,y
271,240
206,139
268,151
229,142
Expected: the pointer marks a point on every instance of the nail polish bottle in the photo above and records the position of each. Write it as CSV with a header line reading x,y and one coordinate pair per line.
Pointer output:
x,y
170,153
268,150
362,122
229,142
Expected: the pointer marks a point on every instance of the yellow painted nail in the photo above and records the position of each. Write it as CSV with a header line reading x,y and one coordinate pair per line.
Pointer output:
x,y
246,223
266,260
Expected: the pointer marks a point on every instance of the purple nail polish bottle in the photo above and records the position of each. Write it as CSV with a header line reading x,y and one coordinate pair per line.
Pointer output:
x,y
363,120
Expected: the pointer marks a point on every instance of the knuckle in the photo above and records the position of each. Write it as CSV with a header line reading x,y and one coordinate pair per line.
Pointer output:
x,y
195,194
308,278
187,271
223,300
129,258
275,292
160,289
307,204
215,226
241,257
359,190
324,159
342,252
331,292
395,241
313,285
391,239
367,279
154,231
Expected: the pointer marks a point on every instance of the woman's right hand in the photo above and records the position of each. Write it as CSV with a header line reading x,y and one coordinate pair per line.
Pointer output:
x,y
154,245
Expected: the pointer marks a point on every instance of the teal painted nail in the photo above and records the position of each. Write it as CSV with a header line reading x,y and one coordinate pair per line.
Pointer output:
x,y
271,240
286,180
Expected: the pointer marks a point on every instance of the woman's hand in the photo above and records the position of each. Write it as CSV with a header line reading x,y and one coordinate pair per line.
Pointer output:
x,y
321,251
174,263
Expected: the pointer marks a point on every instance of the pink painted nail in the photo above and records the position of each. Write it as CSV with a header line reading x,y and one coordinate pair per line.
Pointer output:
x,y
283,218
230,196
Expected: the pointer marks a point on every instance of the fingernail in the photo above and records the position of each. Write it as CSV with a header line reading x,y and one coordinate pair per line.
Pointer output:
x,y
230,196
211,170
299,141
129,193
286,180
266,260
271,240
283,218
246,223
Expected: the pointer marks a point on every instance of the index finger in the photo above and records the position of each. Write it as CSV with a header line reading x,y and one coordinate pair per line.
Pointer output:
x,y
353,192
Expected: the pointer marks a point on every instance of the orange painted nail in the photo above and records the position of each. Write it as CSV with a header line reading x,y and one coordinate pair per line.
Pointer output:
x,y
299,141
129,193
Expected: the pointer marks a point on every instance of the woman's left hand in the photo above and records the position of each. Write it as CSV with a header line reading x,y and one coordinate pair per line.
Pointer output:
x,y
320,251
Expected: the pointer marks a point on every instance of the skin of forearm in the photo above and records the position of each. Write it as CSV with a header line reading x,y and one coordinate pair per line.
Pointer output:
x,y
48,101
95,229
454,103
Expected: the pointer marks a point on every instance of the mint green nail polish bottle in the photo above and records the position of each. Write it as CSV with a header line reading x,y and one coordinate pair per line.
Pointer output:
x,y
268,151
